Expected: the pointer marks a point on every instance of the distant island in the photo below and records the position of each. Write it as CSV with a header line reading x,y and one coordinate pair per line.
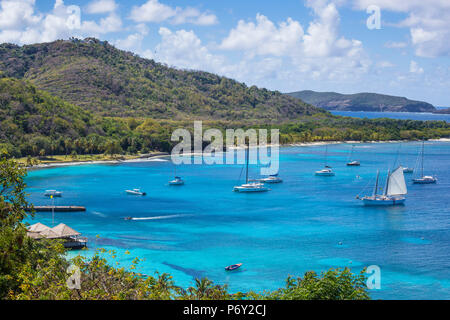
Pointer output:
x,y
443,111
371,102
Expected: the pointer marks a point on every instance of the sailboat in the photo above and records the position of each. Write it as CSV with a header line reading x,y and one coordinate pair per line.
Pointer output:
x,y
424,179
253,186
177,181
394,192
353,163
327,172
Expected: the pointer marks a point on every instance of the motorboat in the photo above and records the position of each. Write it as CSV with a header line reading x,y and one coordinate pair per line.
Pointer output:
x,y
271,179
233,267
136,192
53,193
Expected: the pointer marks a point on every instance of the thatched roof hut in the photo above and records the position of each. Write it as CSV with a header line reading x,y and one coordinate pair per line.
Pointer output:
x,y
39,231
64,231
38,227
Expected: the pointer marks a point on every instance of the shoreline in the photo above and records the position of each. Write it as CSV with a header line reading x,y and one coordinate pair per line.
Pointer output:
x,y
141,158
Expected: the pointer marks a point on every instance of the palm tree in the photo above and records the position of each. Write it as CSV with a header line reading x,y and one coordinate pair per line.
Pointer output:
x,y
202,288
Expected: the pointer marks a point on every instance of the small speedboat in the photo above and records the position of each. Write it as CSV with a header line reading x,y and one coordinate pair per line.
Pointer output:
x,y
408,170
53,193
177,182
136,192
271,179
354,164
128,218
233,267
327,172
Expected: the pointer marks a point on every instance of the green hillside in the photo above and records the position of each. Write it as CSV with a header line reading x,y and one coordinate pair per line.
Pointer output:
x,y
100,78
362,102
32,120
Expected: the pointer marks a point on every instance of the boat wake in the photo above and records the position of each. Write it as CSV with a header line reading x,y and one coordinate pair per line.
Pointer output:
x,y
99,214
161,217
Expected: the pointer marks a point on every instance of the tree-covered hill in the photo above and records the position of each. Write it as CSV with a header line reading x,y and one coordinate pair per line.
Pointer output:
x,y
100,78
362,102
31,119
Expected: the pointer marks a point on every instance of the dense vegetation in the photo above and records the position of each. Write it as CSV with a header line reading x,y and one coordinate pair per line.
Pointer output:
x,y
31,269
362,102
86,97
100,78
34,123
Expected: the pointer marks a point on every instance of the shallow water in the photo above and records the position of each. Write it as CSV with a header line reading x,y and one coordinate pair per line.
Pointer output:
x,y
306,223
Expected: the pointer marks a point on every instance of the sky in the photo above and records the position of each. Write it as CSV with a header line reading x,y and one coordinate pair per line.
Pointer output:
x,y
397,47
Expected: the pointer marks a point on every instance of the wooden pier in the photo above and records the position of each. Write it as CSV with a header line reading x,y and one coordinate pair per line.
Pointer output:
x,y
58,209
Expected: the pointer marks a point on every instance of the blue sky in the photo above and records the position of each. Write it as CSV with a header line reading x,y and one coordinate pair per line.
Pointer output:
x,y
322,45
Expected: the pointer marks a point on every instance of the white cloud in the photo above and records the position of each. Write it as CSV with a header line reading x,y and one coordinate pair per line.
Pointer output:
x,y
155,11
19,23
132,42
15,13
101,6
318,53
427,22
152,11
264,37
415,68
184,49
395,45
194,16
385,64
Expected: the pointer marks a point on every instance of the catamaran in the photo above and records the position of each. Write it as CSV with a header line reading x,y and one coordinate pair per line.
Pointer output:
x,y
177,181
353,163
394,191
271,179
253,186
424,179
328,171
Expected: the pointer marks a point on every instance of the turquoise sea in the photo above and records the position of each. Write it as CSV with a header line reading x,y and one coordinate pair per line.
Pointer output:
x,y
306,223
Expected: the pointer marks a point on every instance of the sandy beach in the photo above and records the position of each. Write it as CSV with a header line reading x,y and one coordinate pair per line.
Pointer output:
x,y
160,157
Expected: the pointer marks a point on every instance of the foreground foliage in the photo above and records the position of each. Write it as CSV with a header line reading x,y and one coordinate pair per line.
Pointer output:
x,y
33,270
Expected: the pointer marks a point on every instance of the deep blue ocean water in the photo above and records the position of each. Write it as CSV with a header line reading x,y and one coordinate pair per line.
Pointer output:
x,y
394,115
198,229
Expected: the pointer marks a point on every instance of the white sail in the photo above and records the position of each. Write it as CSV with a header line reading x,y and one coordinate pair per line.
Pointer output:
x,y
397,184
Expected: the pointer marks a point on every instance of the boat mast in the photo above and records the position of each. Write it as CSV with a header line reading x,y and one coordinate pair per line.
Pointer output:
x,y
376,184
326,155
387,183
423,151
248,154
